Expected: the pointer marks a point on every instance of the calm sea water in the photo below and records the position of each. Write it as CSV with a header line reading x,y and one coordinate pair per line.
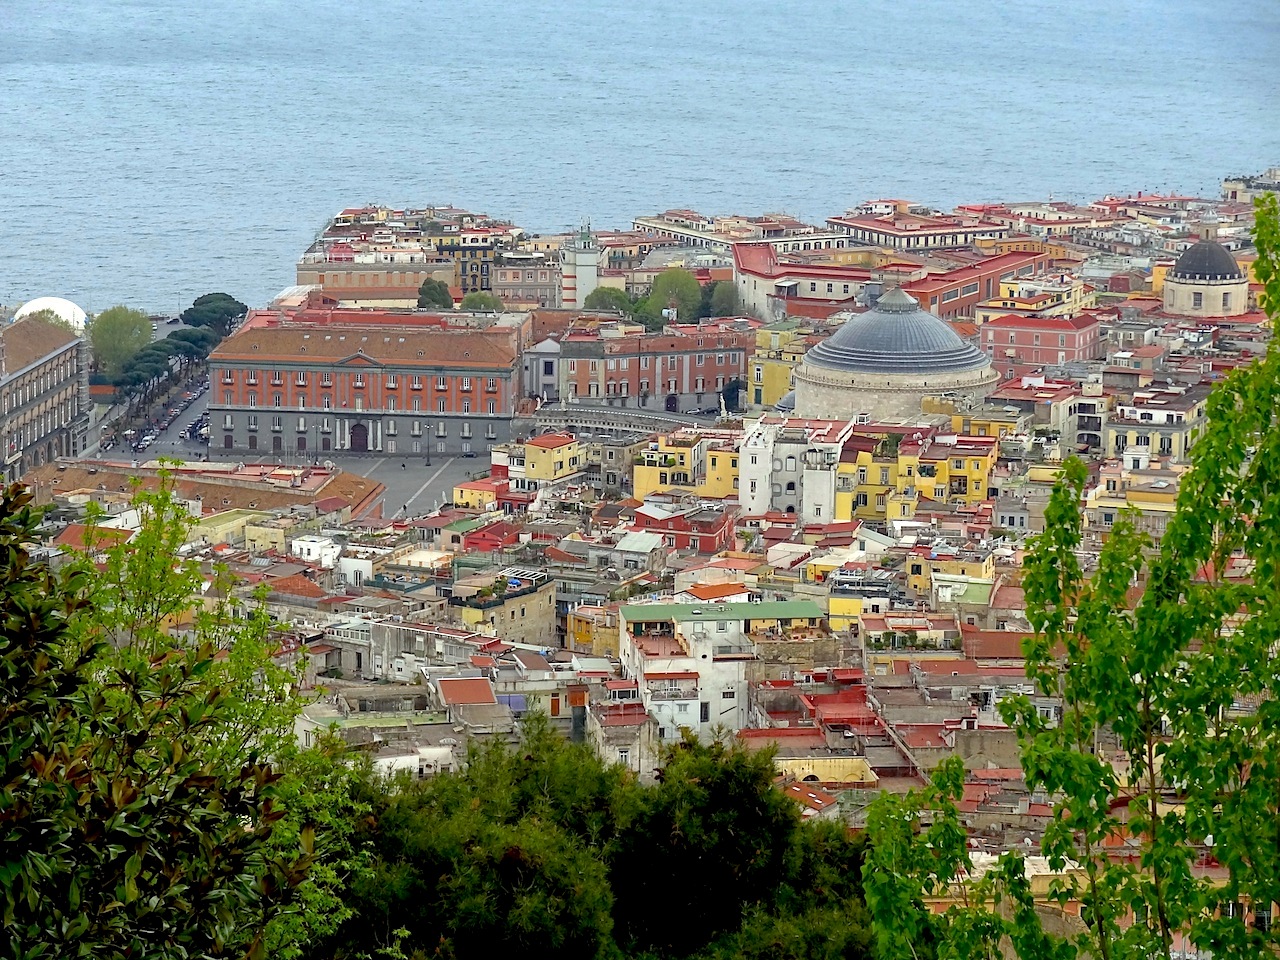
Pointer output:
x,y
153,150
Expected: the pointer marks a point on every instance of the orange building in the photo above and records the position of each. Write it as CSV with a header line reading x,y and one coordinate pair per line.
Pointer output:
x,y
316,380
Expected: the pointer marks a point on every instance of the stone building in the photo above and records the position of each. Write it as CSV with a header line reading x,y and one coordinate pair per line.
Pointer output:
x,y
1206,282
44,394
882,363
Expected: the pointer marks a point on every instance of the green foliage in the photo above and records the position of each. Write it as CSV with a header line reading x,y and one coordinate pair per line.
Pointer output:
x,y
481,300
217,311
544,850
714,815
434,293
116,335
724,299
328,794
124,836
1186,683
609,298
677,286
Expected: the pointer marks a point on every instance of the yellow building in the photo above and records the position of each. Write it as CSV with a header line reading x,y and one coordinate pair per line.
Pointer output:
x,y
992,246
946,469
1148,495
688,461
779,349
923,562
227,526
843,612
1055,296
864,486
553,457
594,629
475,494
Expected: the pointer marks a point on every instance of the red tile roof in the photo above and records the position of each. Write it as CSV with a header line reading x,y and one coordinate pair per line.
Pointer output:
x,y
551,441
714,591
465,691
297,586
810,796
85,538
992,644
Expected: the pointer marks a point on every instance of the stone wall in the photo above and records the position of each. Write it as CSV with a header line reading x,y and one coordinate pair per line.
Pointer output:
x,y
825,394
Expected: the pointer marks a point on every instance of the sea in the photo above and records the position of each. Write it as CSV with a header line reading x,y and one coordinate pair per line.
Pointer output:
x,y
155,150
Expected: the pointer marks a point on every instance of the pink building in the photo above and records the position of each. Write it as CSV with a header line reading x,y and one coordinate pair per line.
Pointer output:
x,y
1016,343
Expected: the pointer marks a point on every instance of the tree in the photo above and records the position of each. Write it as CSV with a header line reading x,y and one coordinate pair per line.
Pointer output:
x,y
116,335
609,298
481,300
724,299
677,286
434,293
505,854
1168,681
332,791
715,815
217,311
123,834
732,393
191,346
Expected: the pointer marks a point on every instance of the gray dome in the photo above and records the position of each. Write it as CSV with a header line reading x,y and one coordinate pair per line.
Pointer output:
x,y
1206,260
787,404
896,336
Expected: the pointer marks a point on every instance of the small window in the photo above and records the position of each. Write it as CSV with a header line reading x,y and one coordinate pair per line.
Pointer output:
x,y
728,695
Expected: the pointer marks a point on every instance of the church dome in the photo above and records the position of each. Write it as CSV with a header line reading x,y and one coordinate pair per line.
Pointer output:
x,y
896,336
1206,260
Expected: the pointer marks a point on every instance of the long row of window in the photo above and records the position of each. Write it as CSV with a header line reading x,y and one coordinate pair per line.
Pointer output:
x,y
391,403
325,425
673,361
390,382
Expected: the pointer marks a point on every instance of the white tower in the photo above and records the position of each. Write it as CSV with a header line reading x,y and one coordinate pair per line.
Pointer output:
x,y
580,261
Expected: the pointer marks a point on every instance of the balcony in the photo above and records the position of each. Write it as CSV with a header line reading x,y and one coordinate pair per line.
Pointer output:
x,y
673,693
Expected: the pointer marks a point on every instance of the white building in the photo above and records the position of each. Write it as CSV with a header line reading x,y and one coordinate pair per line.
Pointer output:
x,y
581,260
690,660
789,465
323,551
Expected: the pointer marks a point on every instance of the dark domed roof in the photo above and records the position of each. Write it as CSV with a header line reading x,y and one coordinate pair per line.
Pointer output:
x,y
787,404
896,336
1206,260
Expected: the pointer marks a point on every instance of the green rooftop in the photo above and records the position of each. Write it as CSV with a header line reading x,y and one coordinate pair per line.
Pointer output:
x,y
468,524
683,612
